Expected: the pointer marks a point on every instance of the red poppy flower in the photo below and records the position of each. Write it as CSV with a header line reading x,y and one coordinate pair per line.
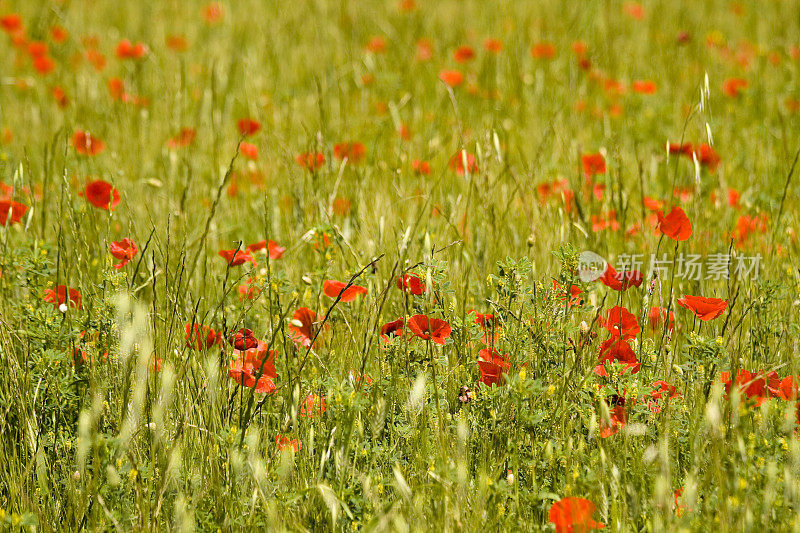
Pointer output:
x,y
275,251
429,328
411,283
675,225
102,195
787,389
543,51
574,294
376,45
493,366
633,10
336,289
123,250
620,322
200,337
311,161
750,384
285,443
682,149
11,23
573,515
37,49
184,138
213,12
593,164
704,308
353,151
457,162
464,54
236,257
733,87
44,64
244,339
11,212
176,43
617,349
707,157
657,316
60,294
391,330
129,50
494,46
248,150
661,390
248,126
302,326
621,281
421,167
645,87
452,78
86,144
255,368
313,406
618,418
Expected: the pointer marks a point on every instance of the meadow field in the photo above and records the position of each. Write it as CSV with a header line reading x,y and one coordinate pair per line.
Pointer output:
x,y
398,265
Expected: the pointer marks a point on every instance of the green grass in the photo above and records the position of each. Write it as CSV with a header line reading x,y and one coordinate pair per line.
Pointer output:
x,y
114,444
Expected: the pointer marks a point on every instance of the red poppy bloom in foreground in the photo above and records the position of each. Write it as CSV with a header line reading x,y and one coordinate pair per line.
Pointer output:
x,y
618,350
11,212
493,366
311,161
411,283
391,330
123,250
621,281
302,325
457,162
102,195
236,257
353,151
200,337
60,294
593,164
429,328
86,144
244,339
620,323
453,78
336,289
255,368
248,126
675,225
313,406
704,308
573,515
